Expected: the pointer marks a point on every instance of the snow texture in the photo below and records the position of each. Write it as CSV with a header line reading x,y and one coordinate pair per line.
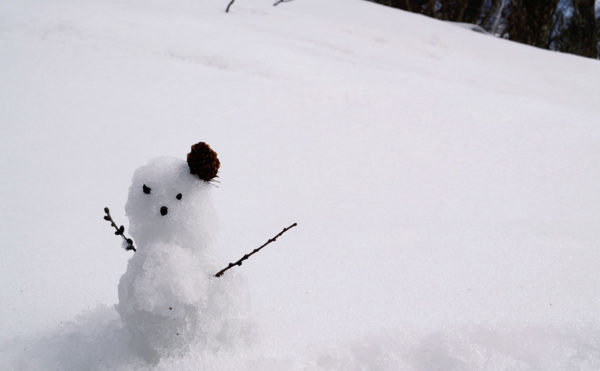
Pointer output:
x,y
445,185
169,297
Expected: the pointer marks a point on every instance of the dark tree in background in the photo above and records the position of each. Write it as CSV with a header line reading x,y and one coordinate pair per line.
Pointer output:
x,y
472,11
460,10
416,6
570,26
579,33
530,21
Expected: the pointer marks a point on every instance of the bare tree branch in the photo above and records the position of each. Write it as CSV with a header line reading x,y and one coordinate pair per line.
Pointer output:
x,y
281,1
120,231
239,262
229,6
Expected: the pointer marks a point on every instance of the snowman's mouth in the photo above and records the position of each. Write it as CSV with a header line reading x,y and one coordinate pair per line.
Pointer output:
x,y
164,210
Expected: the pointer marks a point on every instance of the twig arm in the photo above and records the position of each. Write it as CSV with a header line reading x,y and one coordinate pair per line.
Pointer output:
x,y
119,231
239,262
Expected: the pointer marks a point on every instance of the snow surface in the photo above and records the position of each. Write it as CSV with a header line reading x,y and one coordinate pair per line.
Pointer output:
x,y
445,182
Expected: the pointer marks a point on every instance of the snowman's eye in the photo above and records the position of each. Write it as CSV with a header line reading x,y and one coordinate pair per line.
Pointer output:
x,y
146,189
179,195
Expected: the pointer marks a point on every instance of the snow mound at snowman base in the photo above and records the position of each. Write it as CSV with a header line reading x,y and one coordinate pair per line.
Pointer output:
x,y
98,341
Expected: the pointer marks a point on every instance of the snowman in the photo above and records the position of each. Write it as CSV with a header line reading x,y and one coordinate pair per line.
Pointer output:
x,y
169,297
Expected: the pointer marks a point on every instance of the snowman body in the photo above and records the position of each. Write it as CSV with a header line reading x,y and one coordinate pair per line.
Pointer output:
x,y
169,298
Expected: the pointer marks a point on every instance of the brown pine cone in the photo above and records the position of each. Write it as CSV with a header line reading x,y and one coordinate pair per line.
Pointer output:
x,y
203,161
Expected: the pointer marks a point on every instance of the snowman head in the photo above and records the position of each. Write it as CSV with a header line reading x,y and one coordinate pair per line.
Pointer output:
x,y
170,200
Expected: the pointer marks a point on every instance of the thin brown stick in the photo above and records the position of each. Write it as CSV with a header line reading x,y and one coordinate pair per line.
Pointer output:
x,y
239,262
229,6
281,1
120,231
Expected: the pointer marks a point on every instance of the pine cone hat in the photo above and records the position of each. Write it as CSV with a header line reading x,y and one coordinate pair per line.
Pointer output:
x,y
203,162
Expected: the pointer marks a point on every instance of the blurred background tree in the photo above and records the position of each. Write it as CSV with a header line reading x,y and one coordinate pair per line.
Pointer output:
x,y
570,26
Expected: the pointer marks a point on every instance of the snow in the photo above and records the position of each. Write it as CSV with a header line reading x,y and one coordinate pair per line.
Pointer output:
x,y
189,221
169,298
444,182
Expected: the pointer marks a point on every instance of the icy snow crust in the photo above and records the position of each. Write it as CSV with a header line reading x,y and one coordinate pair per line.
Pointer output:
x,y
445,184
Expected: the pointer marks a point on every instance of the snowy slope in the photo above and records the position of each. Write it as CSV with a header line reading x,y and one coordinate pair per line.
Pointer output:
x,y
445,182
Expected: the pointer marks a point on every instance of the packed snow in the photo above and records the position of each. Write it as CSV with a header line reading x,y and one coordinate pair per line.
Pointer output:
x,y
445,185
169,297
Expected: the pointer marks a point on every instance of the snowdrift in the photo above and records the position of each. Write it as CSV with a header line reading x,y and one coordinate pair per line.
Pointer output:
x,y
445,182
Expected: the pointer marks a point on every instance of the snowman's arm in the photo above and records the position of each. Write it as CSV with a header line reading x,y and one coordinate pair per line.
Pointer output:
x,y
239,262
120,231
